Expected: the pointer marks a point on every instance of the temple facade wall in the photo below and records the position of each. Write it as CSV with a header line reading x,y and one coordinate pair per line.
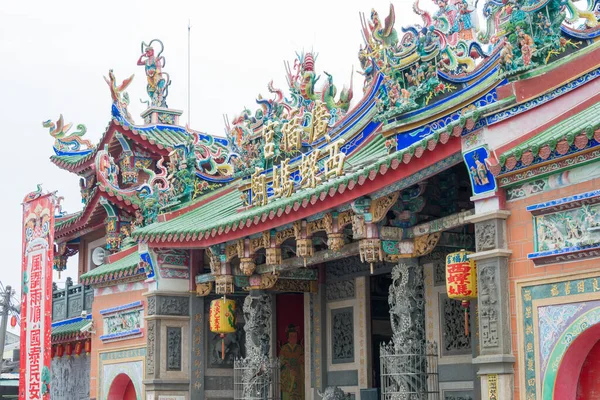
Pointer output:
x,y
549,298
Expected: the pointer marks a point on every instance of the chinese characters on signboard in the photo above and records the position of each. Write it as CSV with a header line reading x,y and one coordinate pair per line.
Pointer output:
x,y
36,306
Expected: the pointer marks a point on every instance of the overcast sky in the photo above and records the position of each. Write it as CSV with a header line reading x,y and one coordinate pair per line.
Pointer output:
x,y
54,55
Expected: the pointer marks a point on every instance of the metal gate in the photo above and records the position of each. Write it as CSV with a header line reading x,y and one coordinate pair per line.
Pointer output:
x,y
409,376
256,379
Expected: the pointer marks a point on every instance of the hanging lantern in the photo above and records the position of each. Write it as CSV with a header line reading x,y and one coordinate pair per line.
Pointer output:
x,y
53,352
370,251
13,321
88,346
78,348
461,281
60,350
304,248
69,349
273,256
222,319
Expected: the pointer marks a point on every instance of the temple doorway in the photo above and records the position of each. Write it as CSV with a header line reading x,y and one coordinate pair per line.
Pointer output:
x,y
290,345
589,382
122,388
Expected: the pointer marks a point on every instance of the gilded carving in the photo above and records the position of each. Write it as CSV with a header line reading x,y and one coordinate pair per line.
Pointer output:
x,y
426,243
380,206
358,226
304,248
239,248
215,262
267,281
344,218
284,235
247,266
323,224
297,229
273,256
295,285
255,244
203,289
370,250
224,284
335,241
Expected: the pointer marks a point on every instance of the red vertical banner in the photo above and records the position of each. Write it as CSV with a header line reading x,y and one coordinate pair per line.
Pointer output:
x,y
36,299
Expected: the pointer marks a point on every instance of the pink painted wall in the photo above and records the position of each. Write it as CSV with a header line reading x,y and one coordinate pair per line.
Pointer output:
x,y
589,378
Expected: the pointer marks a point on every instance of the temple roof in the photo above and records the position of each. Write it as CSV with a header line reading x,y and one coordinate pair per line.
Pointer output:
x,y
124,267
571,134
70,328
222,214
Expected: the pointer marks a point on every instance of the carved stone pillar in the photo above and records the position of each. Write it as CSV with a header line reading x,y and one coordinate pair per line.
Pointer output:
x,y
404,358
197,367
168,345
315,305
495,359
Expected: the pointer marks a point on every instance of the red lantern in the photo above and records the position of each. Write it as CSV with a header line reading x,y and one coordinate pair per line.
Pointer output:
x,y
69,349
88,346
78,347
461,280
60,350
53,352
13,321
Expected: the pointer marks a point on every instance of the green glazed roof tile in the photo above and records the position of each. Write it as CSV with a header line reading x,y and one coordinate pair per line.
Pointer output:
x,y
71,328
127,265
585,122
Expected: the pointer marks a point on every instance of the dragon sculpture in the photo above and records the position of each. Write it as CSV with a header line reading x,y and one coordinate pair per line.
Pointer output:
x,y
65,143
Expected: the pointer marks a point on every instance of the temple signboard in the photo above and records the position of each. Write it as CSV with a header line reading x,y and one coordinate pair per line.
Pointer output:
x,y
36,301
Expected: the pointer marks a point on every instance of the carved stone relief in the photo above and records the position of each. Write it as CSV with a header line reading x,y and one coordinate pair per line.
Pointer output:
x,y
351,267
152,305
454,340
257,314
70,378
342,335
485,235
340,290
439,273
173,348
75,306
150,343
488,306
168,305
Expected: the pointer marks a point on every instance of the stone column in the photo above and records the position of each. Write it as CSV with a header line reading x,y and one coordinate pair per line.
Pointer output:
x,y
168,344
495,360
197,367
315,332
404,359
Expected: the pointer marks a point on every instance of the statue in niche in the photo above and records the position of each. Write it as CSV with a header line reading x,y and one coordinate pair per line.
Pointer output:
x,y
291,356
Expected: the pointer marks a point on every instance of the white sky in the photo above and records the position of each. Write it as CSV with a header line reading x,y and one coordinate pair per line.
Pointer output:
x,y
54,55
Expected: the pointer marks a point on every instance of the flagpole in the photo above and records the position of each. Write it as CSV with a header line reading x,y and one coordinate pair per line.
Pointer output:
x,y
189,75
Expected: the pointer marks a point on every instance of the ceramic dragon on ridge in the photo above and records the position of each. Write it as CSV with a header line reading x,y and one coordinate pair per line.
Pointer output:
x,y
65,143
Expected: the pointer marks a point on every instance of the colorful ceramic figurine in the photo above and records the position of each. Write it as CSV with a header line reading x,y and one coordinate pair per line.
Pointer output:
x,y
158,81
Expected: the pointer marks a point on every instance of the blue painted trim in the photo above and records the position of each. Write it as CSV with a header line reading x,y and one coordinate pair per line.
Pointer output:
x,y
467,78
579,34
121,308
72,153
137,331
564,200
574,249
71,321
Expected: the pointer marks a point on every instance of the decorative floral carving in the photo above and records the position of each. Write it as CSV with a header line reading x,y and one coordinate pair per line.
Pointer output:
x,y
203,289
370,250
342,335
454,340
173,348
273,256
284,235
150,339
335,241
426,243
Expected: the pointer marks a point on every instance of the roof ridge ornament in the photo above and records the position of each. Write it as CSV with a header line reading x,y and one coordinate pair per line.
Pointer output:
x,y
158,81
66,144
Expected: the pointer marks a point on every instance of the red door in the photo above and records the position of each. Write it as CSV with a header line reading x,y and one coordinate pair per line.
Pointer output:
x,y
588,387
